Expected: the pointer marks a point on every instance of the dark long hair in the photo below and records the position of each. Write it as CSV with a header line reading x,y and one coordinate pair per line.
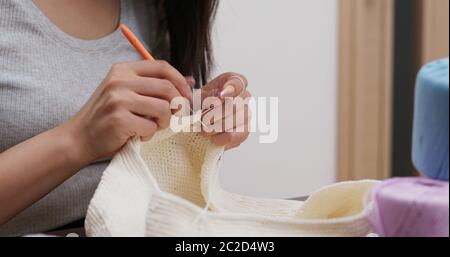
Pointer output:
x,y
187,25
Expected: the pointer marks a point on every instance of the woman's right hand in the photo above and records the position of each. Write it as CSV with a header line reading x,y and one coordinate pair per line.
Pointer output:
x,y
133,100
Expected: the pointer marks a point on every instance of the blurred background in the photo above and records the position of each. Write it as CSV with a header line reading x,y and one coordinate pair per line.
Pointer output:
x,y
344,73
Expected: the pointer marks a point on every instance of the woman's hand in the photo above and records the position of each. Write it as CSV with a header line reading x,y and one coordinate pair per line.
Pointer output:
x,y
229,125
133,100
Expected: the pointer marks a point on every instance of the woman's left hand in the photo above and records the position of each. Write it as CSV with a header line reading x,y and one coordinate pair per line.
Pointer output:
x,y
227,126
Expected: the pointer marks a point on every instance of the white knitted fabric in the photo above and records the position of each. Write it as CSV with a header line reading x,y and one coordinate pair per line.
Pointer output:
x,y
169,187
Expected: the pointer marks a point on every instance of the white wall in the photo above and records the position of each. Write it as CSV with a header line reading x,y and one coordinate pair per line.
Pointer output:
x,y
288,49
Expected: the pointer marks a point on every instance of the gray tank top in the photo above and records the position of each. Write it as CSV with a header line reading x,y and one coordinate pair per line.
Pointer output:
x,y
46,76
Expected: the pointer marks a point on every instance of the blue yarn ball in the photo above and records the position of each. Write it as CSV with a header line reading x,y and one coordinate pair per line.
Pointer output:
x,y
431,120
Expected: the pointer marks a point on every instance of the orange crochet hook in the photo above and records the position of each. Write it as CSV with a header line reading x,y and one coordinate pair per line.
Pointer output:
x,y
134,41
140,48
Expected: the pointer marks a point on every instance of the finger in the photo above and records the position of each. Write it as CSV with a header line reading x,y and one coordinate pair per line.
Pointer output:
x,y
152,108
219,113
222,139
231,138
162,70
213,120
236,144
240,112
142,127
190,80
227,124
246,94
237,105
215,87
234,87
159,88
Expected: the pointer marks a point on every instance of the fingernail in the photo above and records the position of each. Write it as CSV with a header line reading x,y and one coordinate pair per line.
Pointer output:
x,y
228,91
190,80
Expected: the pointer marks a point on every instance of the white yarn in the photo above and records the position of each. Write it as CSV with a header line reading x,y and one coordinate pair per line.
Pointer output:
x,y
169,187
205,210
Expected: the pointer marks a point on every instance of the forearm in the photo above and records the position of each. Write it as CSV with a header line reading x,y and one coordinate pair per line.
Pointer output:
x,y
33,168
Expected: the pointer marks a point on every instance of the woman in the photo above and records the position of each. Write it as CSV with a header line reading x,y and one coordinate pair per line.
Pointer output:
x,y
73,92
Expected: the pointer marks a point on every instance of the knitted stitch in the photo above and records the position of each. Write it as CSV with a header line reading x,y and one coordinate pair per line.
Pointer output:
x,y
161,188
